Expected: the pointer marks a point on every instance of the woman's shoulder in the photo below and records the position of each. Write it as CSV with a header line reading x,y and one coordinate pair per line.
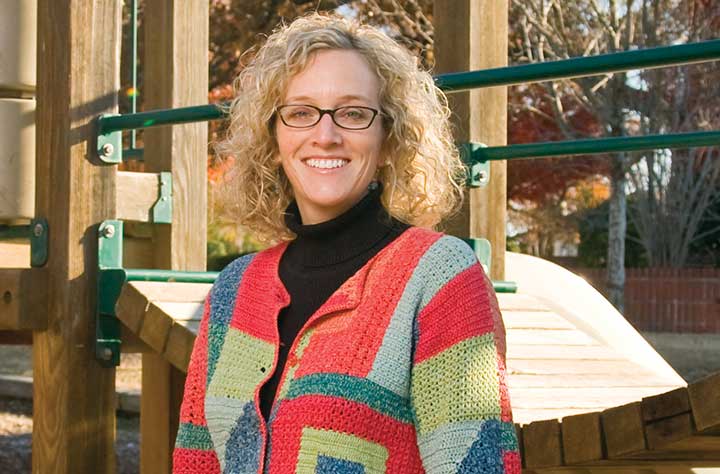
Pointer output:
x,y
441,247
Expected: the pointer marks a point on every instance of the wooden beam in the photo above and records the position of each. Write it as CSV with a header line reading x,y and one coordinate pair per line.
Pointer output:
x,y
542,444
78,58
176,75
582,438
705,402
623,430
23,299
137,193
470,35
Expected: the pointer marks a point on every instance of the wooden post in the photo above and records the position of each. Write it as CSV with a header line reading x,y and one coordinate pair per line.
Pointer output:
x,y
470,35
176,75
78,78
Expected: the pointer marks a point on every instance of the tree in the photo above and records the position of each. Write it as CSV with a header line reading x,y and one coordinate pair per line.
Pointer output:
x,y
551,30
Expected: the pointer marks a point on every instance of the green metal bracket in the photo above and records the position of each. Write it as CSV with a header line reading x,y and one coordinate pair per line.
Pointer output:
x,y
162,209
109,144
478,171
37,232
111,278
39,242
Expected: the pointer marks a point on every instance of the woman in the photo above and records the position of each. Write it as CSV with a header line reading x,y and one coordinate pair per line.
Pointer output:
x,y
363,342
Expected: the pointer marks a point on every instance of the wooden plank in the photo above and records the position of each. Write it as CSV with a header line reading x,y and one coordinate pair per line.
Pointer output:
x,y
138,252
582,438
155,328
23,299
179,345
662,432
78,79
136,193
623,430
542,444
705,402
131,307
665,404
176,45
172,291
591,398
14,254
563,337
520,302
534,320
557,352
572,367
181,311
470,35
647,380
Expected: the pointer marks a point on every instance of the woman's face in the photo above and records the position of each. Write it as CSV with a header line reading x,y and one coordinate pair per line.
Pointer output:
x,y
329,167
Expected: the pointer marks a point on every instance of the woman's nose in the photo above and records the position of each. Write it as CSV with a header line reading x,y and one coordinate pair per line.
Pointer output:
x,y
326,132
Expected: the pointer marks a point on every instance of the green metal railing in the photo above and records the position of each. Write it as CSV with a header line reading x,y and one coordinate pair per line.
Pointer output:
x,y
663,56
596,146
585,66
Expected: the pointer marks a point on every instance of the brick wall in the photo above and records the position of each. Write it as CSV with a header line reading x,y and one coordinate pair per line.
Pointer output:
x,y
668,299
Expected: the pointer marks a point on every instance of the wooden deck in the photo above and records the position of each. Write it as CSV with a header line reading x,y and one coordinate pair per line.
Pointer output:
x,y
580,405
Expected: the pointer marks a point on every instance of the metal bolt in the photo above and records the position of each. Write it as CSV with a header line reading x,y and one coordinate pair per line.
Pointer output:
x,y
482,176
107,353
7,297
108,231
38,230
164,198
107,149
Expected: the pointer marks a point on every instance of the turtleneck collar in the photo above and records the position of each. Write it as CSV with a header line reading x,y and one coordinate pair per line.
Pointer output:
x,y
341,238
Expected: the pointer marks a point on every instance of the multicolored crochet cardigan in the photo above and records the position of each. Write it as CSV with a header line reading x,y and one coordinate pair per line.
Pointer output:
x,y
401,370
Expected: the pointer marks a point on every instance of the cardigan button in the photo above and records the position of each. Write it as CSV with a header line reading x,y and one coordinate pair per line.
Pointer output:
x,y
262,369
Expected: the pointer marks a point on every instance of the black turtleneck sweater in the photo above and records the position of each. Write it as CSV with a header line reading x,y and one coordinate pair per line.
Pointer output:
x,y
319,261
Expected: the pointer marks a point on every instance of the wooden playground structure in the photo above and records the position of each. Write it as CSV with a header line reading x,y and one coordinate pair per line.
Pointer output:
x,y
589,394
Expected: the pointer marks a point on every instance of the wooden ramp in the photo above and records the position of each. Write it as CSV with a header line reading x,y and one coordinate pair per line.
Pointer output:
x,y
588,395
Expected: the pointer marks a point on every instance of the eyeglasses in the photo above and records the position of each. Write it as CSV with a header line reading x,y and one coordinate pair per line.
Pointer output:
x,y
306,116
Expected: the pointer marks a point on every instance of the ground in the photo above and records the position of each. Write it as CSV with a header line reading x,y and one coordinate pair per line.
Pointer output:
x,y
692,355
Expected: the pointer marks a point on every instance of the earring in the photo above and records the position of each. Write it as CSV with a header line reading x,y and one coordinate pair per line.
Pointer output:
x,y
373,185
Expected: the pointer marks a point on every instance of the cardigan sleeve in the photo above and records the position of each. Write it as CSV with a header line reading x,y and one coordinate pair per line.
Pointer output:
x,y
458,380
194,452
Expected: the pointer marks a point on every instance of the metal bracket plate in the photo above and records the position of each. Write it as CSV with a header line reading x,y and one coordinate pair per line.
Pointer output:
x,y
111,278
478,171
162,209
39,231
109,145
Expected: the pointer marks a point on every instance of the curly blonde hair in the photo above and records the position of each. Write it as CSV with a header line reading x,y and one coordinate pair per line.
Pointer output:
x,y
424,175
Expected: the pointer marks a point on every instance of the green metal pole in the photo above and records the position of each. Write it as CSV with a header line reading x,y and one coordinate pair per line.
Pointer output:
x,y
596,145
133,66
135,274
584,66
575,67
170,275
155,118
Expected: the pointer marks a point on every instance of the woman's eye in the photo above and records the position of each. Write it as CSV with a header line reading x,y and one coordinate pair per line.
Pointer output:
x,y
354,114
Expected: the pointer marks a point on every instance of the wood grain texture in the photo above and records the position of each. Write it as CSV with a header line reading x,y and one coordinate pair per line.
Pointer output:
x,y
176,75
136,194
78,79
542,445
623,430
582,438
665,405
23,298
705,402
471,35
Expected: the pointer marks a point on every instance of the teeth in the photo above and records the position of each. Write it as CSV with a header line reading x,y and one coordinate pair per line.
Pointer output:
x,y
326,164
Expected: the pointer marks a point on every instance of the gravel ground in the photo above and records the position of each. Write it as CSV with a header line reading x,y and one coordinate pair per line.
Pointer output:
x,y
16,416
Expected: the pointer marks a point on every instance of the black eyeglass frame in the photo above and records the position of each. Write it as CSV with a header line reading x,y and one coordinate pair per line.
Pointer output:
x,y
330,112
